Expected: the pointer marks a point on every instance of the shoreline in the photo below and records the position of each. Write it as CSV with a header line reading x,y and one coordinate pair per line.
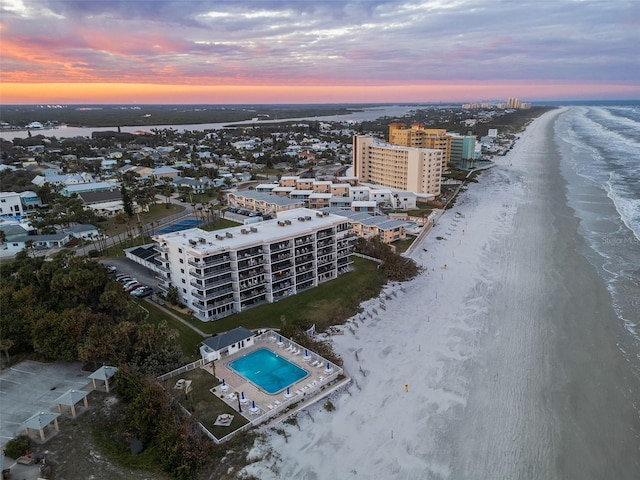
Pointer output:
x,y
428,338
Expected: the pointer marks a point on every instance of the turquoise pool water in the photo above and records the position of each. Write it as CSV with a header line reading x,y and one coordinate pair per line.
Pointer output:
x,y
268,370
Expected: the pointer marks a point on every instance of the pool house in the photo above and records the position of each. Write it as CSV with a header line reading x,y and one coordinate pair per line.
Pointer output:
x,y
228,343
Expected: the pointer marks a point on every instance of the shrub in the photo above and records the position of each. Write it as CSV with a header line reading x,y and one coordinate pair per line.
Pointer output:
x,y
16,447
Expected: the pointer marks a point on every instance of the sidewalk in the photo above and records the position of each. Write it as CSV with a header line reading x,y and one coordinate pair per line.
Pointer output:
x,y
179,318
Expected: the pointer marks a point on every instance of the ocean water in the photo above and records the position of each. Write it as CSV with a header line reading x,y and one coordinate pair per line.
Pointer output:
x,y
600,161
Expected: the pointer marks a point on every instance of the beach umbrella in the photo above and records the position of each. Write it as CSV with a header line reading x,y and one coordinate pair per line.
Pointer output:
x,y
306,352
242,395
253,404
280,338
223,384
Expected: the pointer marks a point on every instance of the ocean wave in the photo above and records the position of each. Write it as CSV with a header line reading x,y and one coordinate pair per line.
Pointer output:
x,y
602,170
627,207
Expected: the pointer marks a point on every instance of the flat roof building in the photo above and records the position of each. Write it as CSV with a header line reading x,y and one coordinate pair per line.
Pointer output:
x,y
226,271
417,170
420,137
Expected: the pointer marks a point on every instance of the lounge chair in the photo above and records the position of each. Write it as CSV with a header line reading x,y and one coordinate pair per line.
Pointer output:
x,y
270,407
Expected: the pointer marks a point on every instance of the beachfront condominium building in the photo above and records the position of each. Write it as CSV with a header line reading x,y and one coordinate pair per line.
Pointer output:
x,y
462,148
419,137
417,170
226,271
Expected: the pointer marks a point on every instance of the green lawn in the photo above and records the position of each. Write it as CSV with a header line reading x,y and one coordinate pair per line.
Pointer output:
x,y
203,404
188,339
328,304
402,245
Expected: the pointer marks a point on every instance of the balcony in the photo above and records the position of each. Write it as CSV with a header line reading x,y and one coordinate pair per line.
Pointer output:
x,y
283,285
304,277
211,294
279,247
212,283
281,265
281,256
304,241
209,261
162,248
251,274
256,292
163,268
281,275
304,285
253,262
211,305
209,272
244,254
326,259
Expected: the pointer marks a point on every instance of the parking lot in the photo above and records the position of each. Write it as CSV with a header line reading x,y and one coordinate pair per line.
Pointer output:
x,y
142,274
31,387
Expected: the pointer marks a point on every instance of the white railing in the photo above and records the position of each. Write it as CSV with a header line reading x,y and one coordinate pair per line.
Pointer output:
x,y
183,369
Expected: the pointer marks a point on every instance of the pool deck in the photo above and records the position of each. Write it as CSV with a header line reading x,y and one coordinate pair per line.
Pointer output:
x,y
310,388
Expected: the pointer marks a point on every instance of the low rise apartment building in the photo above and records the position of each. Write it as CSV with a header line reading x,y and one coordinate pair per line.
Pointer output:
x,y
227,271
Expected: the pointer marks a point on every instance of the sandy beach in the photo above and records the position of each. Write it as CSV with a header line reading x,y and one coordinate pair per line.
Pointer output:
x,y
493,363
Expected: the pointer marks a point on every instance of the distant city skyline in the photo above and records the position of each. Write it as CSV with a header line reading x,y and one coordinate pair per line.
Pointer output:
x,y
327,51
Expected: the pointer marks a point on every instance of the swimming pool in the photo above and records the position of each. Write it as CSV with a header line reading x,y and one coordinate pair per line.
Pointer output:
x,y
268,370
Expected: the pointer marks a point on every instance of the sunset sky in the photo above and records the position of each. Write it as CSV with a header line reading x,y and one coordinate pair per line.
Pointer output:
x,y
322,51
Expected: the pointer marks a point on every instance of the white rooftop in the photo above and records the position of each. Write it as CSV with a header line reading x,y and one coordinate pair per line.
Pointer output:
x,y
302,220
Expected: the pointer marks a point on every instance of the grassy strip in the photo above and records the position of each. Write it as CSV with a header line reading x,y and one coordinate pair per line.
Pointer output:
x,y
188,340
328,304
402,245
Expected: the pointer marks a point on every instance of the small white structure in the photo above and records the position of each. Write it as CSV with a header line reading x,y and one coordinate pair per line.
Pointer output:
x,y
214,348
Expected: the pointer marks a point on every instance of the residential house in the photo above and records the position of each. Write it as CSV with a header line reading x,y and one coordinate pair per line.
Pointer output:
x,y
30,201
10,204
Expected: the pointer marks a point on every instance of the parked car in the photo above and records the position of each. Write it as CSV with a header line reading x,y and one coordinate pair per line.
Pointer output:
x,y
132,286
111,269
127,284
143,291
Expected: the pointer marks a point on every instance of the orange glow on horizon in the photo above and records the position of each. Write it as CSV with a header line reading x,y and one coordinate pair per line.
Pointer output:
x,y
128,93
